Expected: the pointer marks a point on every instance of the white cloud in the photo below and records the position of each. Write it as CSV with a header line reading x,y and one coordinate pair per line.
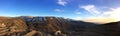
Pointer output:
x,y
91,8
112,15
107,16
62,2
58,10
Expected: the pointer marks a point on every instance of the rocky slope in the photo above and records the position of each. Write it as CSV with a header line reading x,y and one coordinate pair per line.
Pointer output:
x,y
53,26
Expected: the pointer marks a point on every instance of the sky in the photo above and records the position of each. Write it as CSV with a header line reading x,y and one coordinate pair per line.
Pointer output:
x,y
86,10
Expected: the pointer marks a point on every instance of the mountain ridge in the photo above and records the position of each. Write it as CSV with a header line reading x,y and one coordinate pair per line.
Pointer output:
x,y
51,26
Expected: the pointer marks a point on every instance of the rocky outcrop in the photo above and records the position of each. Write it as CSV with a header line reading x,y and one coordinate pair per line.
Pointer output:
x,y
10,27
36,33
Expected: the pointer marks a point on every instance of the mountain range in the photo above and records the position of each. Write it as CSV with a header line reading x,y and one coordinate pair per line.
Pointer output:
x,y
55,26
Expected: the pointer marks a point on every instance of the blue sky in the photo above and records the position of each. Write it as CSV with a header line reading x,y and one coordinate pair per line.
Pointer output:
x,y
74,9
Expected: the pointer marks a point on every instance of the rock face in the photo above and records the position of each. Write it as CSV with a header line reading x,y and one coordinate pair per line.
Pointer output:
x,y
53,26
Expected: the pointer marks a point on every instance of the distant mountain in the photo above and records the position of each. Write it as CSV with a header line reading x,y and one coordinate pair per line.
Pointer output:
x,y
53,26
108,29
113,28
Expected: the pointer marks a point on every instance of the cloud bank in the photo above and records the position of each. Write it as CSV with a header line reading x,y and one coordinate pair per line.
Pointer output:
x,y
101,17
91,9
